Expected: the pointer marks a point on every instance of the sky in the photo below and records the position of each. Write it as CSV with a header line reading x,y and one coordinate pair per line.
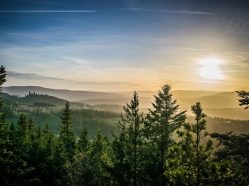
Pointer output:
x,y
125,45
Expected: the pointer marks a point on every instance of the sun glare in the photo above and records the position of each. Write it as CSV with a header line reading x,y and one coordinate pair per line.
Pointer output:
x,y
210,69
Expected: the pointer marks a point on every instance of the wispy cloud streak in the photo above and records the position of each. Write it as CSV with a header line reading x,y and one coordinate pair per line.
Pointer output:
x,y
34,76
184,12
48,11
30,76
187,48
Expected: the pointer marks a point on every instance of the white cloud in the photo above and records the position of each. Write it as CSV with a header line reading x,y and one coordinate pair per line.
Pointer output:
x,y
183,12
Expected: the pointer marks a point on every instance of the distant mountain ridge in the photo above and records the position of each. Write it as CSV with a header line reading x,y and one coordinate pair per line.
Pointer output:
x,y
209,99
70,95
33,100
215,104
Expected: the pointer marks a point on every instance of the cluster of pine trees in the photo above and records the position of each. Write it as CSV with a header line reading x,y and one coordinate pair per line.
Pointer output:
x,y
159,148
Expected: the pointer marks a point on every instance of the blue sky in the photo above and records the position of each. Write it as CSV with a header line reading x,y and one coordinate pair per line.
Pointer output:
x,y
124,45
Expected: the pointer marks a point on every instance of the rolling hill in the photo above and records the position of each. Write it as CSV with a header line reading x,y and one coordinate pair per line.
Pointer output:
x,y
70,95
45,109
35,103
215,104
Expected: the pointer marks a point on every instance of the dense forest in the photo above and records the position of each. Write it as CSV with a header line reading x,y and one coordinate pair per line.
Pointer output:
x,y
45,109
160,147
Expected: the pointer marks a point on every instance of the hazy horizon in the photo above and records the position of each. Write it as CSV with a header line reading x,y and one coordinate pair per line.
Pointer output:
x,y
125,91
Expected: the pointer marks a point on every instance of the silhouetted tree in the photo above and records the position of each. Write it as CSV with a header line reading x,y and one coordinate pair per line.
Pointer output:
x,y
67,136
3,75
161,122
127,145
143,152
189,159
199,130
243,98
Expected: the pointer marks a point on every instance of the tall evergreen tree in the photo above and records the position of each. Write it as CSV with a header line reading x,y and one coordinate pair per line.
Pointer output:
x,y
161,122
202,152
22,128
13,168
3,124
190,158
3,75
4,143
127,147
67,136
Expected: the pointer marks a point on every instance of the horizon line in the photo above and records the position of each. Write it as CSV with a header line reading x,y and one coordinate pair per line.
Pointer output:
x,y
116,90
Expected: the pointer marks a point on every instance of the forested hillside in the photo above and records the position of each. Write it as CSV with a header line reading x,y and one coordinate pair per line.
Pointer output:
x,y
45,109
159,147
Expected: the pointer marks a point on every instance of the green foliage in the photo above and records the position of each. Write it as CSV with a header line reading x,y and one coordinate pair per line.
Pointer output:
x,y
67,136
90,119
161,123
2,81
202,152
121,168
234,150
90,167
190,159
128,145
142,152
83,140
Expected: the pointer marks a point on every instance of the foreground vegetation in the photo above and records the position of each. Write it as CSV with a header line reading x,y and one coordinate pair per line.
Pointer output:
x,y
45,109
143,152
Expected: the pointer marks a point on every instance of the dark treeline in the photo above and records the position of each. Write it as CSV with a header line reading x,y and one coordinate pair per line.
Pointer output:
x,y
146,150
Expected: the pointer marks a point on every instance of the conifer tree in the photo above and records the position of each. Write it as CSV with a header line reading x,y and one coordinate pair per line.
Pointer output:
x,y
190,159
90,168
99,159
3,124
4,143
202,151
120,171
12,166
3,75
22,128
83,140
198,130
161,122
243,98
31,130
127,147
67,136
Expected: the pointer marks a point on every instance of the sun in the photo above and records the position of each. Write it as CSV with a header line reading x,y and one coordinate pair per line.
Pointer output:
x,y
210,69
